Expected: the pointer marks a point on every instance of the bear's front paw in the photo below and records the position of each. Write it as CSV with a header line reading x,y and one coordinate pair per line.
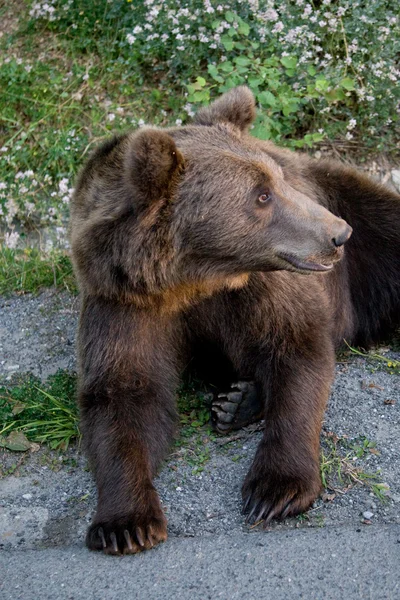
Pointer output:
x,y
127,534
268,495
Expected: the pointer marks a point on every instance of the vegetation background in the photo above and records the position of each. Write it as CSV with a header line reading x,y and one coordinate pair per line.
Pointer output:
x,y
324,73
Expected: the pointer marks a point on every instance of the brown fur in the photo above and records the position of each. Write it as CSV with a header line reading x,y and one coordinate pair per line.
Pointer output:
x,y
191,246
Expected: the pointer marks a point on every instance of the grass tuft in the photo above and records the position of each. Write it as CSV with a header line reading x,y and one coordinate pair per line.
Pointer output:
x,y
29,270
340,469
43,412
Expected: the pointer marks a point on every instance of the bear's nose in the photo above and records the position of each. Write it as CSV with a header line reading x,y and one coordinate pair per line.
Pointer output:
x,y
342,234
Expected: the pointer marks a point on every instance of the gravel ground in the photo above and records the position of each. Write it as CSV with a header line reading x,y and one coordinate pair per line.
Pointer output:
x,y
49,498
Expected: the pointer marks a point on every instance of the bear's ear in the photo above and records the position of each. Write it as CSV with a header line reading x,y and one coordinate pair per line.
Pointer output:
x,y
236,106
152,164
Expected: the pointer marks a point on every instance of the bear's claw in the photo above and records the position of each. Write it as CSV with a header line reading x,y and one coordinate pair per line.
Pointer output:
x,y
267,495
123,536
237,408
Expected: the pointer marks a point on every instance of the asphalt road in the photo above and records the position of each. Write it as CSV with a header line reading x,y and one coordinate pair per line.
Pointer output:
x,y
335,563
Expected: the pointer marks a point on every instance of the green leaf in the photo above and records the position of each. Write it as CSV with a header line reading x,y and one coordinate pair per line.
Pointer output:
x,y
226,66
266,98
254,82
289,62
335,95
201,96
243,28
201,81
230,16
16,441
261,131
243,61
213,71
197,85
227,42
347,84
321,85
311,71
290,108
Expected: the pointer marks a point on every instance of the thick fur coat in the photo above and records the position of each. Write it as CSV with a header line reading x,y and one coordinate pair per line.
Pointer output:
x,y
204,245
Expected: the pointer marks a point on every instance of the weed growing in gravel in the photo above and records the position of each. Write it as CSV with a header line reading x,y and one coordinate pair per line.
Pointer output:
x,y
339,471
29,270
378,361
43,412
193,412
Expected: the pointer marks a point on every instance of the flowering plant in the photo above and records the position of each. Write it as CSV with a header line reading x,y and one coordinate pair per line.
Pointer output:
x,y
321,69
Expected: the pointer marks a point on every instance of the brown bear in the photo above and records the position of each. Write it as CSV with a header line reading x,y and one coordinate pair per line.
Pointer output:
x,y
204,242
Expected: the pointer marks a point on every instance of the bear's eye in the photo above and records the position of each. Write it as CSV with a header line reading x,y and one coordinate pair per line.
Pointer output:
x,y
264,198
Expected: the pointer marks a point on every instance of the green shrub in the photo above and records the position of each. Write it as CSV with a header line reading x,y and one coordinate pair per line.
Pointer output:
x,y
76,70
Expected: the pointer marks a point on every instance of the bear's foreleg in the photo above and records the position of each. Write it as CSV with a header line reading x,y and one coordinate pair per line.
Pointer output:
x,y
127,399
284,479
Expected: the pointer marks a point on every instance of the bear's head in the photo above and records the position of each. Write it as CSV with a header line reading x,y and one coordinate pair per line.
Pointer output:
x,y
200,202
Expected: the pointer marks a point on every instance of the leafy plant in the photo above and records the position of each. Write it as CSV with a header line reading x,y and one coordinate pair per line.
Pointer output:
x,y
43,412
74,71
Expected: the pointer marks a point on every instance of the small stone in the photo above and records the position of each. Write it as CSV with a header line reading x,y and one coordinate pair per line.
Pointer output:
x,y
27,496
368,515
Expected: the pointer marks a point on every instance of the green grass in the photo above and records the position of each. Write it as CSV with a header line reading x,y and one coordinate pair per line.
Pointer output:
x,y
42,412
29,270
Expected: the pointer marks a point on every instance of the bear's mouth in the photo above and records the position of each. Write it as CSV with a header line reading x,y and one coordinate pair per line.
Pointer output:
x,y
303,265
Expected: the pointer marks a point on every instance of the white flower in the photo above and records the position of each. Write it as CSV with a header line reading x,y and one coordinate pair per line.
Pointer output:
x,y
111,117
130,39
189,109
352,124
269,15
278,27
178,122
63,186
11,239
